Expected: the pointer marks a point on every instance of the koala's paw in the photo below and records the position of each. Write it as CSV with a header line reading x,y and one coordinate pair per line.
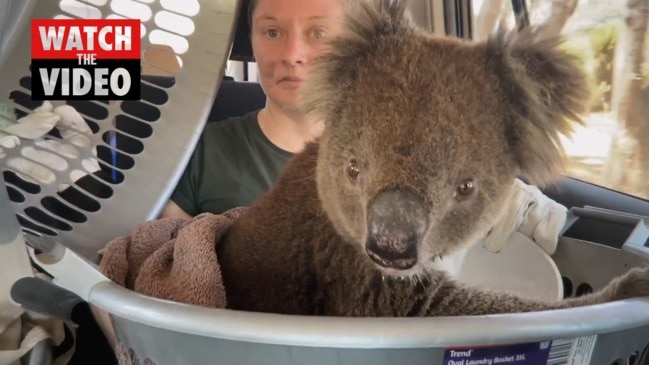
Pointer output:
x,y
633,284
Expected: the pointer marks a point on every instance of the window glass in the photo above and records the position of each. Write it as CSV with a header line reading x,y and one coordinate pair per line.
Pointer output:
x,y
610,37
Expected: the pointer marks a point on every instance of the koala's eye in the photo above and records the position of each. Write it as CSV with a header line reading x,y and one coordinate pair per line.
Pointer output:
x,y
353,170
465,189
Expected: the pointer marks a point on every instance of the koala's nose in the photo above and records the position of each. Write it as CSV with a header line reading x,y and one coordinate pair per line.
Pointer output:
x,y
397,222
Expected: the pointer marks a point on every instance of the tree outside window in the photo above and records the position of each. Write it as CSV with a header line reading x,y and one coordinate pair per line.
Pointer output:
x,y
610,37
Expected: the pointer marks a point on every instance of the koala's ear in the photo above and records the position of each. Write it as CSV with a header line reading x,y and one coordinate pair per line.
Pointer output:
x,y
333,76
546,91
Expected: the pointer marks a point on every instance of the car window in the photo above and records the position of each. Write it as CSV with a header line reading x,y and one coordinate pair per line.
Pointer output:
x,y
610,37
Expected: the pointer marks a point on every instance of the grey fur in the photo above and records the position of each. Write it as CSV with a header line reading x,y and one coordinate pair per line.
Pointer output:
x,y
436,123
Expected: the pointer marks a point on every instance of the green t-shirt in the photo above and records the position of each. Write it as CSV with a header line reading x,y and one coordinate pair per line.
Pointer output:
x,y
233,164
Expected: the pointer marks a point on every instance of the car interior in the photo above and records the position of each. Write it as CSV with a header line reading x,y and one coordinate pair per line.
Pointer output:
x,y
601,215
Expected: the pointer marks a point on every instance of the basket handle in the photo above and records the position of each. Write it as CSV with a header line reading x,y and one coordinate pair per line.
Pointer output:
x,y
42,296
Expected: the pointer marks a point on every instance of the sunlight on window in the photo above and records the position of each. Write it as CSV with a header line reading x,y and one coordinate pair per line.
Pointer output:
x,y
610,38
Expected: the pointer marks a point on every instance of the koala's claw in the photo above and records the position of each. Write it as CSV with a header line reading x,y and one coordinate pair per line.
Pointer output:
x,y
633,284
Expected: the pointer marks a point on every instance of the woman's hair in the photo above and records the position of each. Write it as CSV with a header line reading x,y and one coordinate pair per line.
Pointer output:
x,y
251,9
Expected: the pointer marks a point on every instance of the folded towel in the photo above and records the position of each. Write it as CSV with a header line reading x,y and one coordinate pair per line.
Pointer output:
x,y
172,259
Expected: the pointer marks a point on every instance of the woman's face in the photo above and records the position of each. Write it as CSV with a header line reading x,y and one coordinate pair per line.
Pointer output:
x,y
287,35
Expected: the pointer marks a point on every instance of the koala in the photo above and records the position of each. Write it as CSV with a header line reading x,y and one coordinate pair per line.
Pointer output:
x,y
424,139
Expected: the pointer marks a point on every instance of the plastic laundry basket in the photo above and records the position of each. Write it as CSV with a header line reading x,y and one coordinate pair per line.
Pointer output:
x,y
614,333
153,331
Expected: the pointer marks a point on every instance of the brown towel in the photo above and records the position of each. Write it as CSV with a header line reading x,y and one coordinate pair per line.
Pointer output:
x,y
172,258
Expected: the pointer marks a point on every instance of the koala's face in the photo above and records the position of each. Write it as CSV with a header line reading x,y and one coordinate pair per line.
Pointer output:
x,y
425,136
417,166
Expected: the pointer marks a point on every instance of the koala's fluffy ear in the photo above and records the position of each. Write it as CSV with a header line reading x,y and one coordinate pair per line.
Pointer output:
x,y
546,92
367,24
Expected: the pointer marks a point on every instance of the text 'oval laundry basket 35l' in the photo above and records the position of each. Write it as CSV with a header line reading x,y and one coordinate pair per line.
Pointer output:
x,y
85,205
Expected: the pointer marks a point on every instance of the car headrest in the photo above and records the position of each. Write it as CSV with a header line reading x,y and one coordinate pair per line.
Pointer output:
x,y
236,98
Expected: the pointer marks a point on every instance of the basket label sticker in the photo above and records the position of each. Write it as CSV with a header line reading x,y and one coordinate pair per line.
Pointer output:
x,y
575,351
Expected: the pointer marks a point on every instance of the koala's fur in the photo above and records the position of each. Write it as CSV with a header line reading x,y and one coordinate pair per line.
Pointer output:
x,y
418,117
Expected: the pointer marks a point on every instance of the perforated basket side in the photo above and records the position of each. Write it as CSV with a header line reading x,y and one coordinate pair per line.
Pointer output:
x,y
140,146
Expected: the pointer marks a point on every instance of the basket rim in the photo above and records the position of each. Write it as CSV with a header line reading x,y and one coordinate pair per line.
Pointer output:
x,y
356,332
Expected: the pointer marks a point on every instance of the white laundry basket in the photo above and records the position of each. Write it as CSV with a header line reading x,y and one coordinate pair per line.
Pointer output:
x,y
152,331
142,145
615,333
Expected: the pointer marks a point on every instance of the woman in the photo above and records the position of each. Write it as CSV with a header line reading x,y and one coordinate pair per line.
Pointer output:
x,y
237,160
